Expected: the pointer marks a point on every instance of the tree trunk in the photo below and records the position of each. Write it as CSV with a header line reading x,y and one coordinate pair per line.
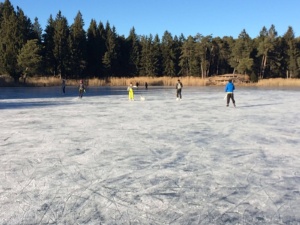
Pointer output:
x,y
264,66
16,76
16,79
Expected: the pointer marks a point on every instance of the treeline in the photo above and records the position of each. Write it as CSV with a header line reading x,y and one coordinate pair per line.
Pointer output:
x,y
71,52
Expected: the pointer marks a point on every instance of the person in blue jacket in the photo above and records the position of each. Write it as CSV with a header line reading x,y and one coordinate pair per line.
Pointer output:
x,y
229,88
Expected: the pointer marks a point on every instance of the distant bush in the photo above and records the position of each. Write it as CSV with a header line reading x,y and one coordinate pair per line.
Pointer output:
x,y
6,80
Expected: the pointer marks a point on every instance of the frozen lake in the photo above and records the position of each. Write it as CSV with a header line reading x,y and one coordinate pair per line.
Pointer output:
x,y
105,160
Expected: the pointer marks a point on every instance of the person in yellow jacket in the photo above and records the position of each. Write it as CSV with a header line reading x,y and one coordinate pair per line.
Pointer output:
x,y
130,93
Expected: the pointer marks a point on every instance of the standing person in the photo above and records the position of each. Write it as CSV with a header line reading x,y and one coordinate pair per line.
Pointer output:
x,y
130,93
229,88
146,85
63,86
81,89
178,89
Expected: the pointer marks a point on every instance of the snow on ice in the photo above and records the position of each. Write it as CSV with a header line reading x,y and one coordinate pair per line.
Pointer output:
x,y
105,160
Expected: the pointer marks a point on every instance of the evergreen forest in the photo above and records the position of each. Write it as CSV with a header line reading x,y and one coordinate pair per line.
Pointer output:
x,y
69,51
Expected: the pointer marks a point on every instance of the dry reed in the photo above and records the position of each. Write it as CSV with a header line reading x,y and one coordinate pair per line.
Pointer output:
x,y
278,82
152,81
157,81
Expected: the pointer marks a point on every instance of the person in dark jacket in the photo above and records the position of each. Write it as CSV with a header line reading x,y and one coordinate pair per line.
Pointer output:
x,y
81,88
63,86
178,90
229,89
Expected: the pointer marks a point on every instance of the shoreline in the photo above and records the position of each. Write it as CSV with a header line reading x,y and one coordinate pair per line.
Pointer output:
x,y
141,81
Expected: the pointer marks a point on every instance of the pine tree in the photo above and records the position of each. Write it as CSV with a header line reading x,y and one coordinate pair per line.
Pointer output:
x,y
25,28
133,44
157,55
178,43
149,58
228,46
220,56
292,53
29,59
61,46
102,48
93,50
111,55
37,30
77,42
50,62
187,58
266,48
202,53
168,55
15,30
240,56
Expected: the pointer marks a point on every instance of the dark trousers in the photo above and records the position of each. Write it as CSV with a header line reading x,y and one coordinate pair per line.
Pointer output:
x,y
230,96
178,93
81,93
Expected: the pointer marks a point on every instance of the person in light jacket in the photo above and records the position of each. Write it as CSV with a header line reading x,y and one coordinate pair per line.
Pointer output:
x,y
130,92
229,89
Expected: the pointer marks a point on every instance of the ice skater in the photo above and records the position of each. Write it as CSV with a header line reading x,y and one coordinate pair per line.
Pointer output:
x,y
130,92
178,89
229,89
81,89
63,86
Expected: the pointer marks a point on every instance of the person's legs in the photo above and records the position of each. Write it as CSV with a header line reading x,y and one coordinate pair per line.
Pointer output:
x,y
228,98
131,96
232,98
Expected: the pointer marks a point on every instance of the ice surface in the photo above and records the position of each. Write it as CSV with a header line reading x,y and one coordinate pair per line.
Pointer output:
x,y
105,160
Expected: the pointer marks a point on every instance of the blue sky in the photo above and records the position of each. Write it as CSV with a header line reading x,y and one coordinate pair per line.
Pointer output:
x,y
189,17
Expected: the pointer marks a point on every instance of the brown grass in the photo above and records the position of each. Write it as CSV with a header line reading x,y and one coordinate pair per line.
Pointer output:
x,y
43,81
157,81
278,82
152,81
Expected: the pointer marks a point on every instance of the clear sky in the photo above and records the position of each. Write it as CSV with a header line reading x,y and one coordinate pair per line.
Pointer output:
x,y
189,17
